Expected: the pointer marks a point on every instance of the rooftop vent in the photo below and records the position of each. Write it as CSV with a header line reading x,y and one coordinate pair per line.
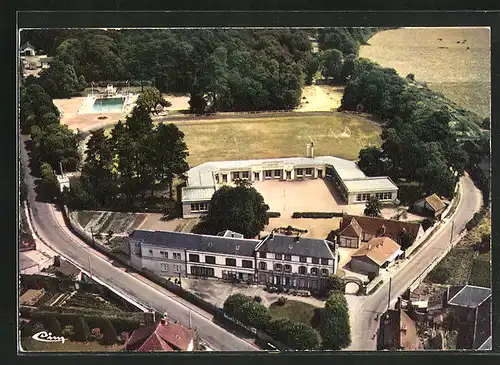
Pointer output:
x,y
209,244
290,247
237,248
297,238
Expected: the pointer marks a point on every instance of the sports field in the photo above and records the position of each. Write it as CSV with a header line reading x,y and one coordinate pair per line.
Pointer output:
x,y
453,61
338,134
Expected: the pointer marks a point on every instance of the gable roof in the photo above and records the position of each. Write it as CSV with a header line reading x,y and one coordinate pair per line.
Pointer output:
x,y
352,229
379,250
373,226
308,247
468,296
435,202
26,45
196,242
160,336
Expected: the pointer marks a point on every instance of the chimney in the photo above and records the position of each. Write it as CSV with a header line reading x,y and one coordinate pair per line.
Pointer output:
x,y
308,150
297,238
369,247
312,149
383,229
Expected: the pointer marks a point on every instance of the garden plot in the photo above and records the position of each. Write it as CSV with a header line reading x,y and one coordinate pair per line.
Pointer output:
x,y
103,222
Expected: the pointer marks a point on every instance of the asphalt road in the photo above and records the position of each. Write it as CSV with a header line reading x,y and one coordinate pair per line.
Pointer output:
x,y
47,222
363,324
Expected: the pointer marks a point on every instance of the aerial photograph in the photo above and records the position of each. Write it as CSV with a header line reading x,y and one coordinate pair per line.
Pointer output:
x,y
241,189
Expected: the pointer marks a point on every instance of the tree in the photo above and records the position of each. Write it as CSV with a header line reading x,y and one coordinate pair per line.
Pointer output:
x,y
241,209
253,314
331,64
171,154
235,301
81,329
60,80
404,239
53,326
36,105
150,98
372,161
311,67
58,144
109,335
335,329
348,67
334,284
49,182
373,206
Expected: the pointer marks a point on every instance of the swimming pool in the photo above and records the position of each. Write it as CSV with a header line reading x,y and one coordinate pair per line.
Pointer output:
x,y
108,105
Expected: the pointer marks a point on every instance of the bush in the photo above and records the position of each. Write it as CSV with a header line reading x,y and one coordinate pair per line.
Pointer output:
x,y
81,328
54,326
109,335
440,275
281,301
317,215
273,214
257,299
235,301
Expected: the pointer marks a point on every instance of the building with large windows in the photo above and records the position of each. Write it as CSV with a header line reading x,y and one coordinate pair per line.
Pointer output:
x,y
293,262
354,186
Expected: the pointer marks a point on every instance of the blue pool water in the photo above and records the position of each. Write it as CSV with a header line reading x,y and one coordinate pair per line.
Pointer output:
x,y
108,105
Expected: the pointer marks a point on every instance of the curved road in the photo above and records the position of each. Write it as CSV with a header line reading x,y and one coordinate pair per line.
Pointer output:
x,y
49,226
364,309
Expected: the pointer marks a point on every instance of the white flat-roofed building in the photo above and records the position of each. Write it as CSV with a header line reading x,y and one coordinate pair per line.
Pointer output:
x,y
352,183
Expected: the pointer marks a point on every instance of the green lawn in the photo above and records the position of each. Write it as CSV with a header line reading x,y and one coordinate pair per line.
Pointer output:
x,y
255,138
294,310
28,344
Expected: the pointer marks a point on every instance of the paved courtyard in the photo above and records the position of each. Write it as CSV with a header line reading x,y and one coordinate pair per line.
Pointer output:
x,y
286,197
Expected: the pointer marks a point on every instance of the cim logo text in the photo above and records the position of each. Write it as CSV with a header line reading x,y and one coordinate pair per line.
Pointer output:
x,y
45,336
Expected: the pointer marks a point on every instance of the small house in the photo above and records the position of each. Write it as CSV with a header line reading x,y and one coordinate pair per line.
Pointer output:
x,y
399,332
379,252
431,206
27,50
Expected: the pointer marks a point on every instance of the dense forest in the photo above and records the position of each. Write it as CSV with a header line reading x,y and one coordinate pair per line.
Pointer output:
x,y
240,69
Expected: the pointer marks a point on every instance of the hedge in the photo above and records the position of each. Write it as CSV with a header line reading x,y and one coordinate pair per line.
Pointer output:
x,y
273,214
317,214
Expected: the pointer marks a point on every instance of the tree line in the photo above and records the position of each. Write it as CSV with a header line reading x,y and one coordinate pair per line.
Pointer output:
x,y
419,143
222,69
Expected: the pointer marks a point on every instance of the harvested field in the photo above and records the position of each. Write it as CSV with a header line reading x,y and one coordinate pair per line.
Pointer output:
x,y
233,139
320,98
453,61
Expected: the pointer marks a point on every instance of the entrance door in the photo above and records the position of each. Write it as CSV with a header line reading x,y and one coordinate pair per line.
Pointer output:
x,y
320,173
278,280
256,176
289,175
287,281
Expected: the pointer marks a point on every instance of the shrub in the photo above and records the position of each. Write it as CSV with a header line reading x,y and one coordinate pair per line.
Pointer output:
x,y
281,301
235,301
81,328
253,314
273,214
109,335
26,329
440,274
257,299
54,326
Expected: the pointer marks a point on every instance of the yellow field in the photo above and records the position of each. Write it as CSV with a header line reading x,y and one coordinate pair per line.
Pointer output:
x,y
278,137
461,71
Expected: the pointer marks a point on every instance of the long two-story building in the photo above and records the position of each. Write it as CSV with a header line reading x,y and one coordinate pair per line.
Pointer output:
x,y
293,262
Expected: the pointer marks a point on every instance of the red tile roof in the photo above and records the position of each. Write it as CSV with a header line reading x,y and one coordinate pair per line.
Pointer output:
x,y
160,337
375,226
352,229
378,249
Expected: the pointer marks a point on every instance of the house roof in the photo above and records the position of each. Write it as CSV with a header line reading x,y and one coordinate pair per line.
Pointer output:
x,y
409,337
228,233
468,296
370,184
26,45
486,345
308,247
379,250
194,194
373,226
160,336
68,269
435,202
352,229
196,242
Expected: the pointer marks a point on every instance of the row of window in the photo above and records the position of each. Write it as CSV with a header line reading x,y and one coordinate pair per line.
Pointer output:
x,y
175,268
248,264
379,196
286,257
240,175
288,269
164,254
300,172
199,207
